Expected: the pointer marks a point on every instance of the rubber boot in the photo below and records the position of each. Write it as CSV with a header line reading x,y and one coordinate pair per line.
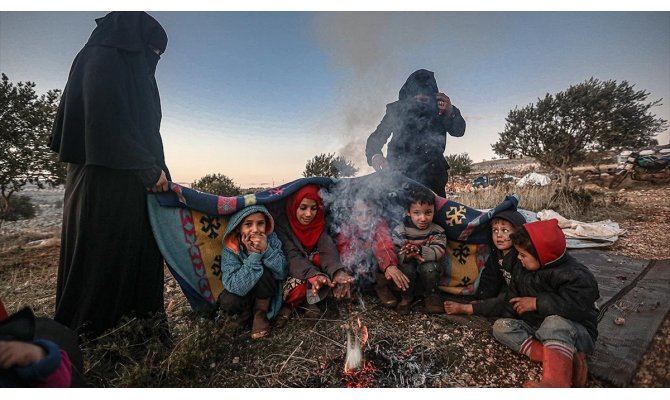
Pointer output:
x,y
383,292
556,370
536,352
261,326
580,370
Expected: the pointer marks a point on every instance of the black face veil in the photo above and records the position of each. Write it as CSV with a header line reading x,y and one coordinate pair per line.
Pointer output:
x,y
109,113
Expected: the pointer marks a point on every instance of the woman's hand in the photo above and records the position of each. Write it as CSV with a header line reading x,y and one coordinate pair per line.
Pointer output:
x,y
342,282
523,304
393,273
20,354
444,104
161,185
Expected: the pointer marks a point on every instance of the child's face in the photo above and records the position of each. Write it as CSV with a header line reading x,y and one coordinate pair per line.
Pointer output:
x,y
501,229
361,213
253,224
421,214
306,211
527,260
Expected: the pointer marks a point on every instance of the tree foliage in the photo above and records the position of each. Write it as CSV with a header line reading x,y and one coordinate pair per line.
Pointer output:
x,y
329,165
561,129
218,184
25,125
459,164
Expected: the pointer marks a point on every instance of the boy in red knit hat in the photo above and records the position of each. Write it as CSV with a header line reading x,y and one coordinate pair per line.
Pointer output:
x,y
555,304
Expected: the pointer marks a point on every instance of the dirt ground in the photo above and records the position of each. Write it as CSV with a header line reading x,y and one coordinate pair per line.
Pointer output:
x,y
413,351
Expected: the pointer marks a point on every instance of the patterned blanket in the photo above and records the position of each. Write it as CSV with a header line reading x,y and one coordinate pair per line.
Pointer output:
x,y
189,225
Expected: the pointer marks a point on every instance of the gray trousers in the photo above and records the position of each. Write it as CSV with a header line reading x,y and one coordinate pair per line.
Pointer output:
x,y
554,331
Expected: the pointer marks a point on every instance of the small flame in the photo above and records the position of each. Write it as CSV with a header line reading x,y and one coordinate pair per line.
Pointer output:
x,y
357,336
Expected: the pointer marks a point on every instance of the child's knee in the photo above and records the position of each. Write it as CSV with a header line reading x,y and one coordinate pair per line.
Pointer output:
x,y
555,327
502,327
429,269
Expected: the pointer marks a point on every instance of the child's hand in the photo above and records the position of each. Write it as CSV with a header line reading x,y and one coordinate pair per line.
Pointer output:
x,y
451,307
259,242
255,242
321,280
342,282
393,273
524,304
20,354
411,251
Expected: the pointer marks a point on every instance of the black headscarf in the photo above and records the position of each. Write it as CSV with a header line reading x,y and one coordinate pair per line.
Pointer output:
x,y
110,112
421,81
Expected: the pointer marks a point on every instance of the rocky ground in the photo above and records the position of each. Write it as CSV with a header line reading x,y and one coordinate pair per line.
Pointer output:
x,y
418,350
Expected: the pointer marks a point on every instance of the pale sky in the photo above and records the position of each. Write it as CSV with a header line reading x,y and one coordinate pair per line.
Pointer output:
x,y
255,95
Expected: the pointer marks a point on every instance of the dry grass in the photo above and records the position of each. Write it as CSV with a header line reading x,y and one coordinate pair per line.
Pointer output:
x,y
204,351
583,203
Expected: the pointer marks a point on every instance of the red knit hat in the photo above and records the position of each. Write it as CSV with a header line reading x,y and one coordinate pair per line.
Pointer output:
x,y
548,240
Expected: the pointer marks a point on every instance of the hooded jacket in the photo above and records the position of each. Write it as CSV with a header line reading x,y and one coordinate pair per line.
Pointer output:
x,y
497,272
110,113
241,270
419,133
562,286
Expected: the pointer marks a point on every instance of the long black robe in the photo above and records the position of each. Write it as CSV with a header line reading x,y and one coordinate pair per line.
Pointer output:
x,y
107,129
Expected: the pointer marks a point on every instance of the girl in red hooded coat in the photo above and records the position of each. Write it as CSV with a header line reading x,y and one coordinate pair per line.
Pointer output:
x,y
554,304
315,270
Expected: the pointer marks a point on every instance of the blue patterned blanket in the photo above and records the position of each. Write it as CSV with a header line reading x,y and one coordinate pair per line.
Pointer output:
x,y
189,225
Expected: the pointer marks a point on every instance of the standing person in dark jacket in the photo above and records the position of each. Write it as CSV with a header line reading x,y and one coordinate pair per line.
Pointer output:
x,y
555,303
502,270
419,122
107,130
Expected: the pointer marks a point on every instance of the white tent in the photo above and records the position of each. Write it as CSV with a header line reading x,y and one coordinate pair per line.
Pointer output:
x,y
533,178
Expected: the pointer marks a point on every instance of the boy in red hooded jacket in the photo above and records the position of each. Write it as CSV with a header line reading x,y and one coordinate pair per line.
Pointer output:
x,y
555,303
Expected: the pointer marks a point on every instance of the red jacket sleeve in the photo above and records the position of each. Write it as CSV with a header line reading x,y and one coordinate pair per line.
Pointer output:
x,y
384,249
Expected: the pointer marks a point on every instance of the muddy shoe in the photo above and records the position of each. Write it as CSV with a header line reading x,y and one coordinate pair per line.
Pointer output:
x,y
432,304
403,307
312,311
283,317
384,294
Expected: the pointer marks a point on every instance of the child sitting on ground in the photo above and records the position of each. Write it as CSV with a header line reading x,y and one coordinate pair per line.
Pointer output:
x,y
253,267
501,268
556,319
366,248
421,246
315,269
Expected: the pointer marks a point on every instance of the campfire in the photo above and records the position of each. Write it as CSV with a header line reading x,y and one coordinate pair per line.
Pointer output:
x,y
357,372
357,336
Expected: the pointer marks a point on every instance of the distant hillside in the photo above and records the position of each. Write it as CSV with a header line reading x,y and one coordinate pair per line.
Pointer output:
x,y
516,166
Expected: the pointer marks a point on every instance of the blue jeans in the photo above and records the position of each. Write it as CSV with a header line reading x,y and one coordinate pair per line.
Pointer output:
x,y
514,332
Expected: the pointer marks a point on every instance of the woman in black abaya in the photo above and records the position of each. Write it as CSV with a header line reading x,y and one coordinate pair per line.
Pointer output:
x,y
107,130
